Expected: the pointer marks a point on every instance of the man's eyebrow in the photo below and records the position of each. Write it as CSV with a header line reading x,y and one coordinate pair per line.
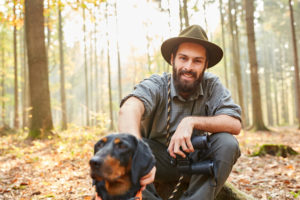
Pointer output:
x,y
200,57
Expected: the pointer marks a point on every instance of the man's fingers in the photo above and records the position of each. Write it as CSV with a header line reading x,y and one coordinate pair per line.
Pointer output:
x,y
143,188
190,145
178,151
184,146
170,150
148,178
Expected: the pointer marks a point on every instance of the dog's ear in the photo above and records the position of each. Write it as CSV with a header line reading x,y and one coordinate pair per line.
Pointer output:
x,y
142,162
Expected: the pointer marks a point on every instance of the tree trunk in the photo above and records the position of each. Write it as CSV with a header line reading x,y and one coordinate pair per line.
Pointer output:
x,y
236,55
41,123
86,72
148,51
62,70
48,28
224,44
180,15
97,103
91,80
24,75
109,75
186,14
204,15
118,56
3,111
268,90
258,123
296,62
16,95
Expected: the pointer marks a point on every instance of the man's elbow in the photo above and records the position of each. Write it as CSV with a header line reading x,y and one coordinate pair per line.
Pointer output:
x,y
237,127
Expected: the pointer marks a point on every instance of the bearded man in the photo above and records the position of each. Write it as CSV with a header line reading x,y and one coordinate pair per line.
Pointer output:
x,y
168,110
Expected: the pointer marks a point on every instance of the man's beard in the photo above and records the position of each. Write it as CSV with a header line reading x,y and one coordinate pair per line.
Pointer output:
x,y
183,86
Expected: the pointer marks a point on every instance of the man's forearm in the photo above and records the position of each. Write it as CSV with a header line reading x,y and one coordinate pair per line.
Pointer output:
x,y
130,116
216,124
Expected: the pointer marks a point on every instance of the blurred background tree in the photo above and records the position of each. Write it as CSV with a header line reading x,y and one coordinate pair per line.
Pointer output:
x,y
97,50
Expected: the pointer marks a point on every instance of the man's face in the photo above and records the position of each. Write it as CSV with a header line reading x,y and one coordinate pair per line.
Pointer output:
x,y
188,67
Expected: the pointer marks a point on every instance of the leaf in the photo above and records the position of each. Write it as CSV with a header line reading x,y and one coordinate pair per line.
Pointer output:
x,y
244,181
291,167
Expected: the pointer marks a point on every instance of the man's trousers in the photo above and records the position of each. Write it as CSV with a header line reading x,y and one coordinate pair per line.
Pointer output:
x,y
224,151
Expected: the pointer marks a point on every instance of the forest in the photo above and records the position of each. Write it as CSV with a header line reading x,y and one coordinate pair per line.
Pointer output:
x,y
65,66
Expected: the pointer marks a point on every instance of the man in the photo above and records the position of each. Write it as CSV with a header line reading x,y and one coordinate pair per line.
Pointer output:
x,y
198,103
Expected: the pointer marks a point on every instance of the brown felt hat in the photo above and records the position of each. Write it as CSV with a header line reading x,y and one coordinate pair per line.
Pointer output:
x,y
195,34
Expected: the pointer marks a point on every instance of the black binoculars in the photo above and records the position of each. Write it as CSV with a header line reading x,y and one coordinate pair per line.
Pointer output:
x,y
188,166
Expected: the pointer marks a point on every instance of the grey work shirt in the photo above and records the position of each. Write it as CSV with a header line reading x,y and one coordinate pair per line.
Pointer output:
x,y
211,99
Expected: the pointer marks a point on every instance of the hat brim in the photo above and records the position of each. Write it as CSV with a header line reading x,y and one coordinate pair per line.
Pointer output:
x,y
214,51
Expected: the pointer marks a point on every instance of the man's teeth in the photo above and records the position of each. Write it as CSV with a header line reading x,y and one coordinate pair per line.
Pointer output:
x,y
188,75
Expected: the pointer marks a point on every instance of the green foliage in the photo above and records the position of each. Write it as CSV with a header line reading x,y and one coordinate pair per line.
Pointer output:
x,y
275,150
295,194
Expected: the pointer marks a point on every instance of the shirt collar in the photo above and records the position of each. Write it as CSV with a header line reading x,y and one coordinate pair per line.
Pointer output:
x,y
193,97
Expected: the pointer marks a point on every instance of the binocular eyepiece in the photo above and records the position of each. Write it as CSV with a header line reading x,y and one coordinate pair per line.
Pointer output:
x,y
188,166
200,142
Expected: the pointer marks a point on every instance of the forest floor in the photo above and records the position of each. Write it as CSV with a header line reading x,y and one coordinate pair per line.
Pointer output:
x,y
58,168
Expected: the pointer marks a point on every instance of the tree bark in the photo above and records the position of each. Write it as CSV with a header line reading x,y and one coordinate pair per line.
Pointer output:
x,y
258,123
62,71
236,55
48,28
186,14
91,80
24,75
268,90
296,62
118,57
224,43
86,72
97,66
16,94
3,109
180,15
41,123
109,75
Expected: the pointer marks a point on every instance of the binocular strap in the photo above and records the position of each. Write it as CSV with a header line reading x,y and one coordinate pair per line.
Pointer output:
x,y
213,178
169,138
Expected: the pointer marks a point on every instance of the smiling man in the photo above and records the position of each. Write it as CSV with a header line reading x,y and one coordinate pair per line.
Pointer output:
x,y
168,110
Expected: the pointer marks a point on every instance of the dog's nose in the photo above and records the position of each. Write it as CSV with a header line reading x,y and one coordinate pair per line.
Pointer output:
x,y
95,162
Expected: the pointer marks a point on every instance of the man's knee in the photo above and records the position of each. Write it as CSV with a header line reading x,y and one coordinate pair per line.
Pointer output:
x,y
226,147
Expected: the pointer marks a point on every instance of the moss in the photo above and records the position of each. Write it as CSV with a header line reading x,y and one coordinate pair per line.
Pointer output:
x,y
275,150
229,192
40,134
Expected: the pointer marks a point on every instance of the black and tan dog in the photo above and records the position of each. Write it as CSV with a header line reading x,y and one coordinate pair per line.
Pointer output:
x,y
119,161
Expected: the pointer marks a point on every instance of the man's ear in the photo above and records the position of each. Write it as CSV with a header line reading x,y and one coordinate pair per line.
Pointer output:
x,y
172,59
206,63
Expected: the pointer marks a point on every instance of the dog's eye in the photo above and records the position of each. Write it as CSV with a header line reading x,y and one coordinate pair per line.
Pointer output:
x,y
121,145
100,145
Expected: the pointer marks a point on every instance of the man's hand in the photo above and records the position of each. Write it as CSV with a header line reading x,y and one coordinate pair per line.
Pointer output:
x,y
148,178
182,138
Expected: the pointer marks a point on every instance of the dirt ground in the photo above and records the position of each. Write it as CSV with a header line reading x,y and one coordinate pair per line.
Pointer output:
x,y
58,168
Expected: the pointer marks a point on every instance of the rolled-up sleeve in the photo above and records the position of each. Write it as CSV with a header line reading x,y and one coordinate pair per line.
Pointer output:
x,y
220,102
148,91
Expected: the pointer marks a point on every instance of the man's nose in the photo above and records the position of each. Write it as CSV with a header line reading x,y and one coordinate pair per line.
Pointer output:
x,y
188,65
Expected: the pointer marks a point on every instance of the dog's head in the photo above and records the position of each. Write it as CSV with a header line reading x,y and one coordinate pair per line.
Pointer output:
x,y
120,159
